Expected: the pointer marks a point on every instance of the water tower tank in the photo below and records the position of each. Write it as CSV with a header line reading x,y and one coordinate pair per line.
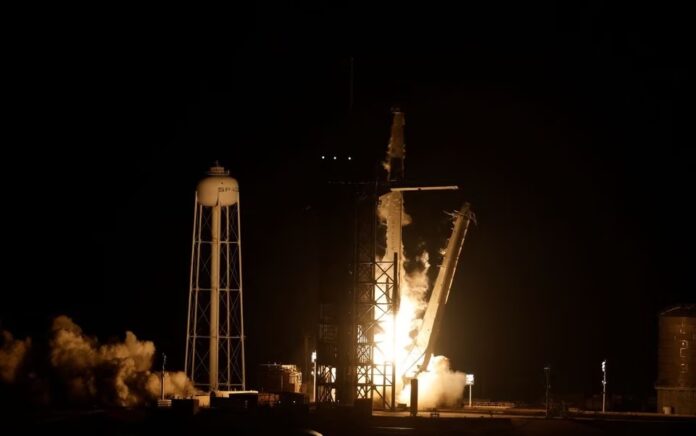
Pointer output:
x,y
218,189
676,383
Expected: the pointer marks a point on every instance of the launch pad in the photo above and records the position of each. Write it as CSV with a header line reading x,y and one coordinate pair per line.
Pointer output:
x,y
282,422
369,358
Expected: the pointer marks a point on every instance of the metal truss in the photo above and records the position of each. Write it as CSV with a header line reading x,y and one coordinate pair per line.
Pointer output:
x,y
346,370
375,301
327,355
231,370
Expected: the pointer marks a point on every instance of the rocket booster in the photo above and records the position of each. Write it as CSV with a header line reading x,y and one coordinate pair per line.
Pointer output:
x,y
396,151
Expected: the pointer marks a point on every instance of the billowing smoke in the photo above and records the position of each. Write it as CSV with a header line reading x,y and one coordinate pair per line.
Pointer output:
x,y
439,386
388,203
83,371
12,354
415,283
176,384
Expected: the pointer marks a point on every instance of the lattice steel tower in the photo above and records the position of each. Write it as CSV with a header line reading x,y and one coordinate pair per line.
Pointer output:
x,y
215,326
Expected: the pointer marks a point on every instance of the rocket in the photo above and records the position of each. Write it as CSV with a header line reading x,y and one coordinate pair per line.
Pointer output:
x,y
396,149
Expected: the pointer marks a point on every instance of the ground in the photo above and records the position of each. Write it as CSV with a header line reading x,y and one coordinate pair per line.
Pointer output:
x,y
152,421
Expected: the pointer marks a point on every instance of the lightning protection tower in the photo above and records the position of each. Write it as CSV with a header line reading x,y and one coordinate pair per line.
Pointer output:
x,y
215,326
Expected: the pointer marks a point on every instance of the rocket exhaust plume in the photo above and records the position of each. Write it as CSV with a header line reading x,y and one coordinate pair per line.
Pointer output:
x,y
438,383
80,370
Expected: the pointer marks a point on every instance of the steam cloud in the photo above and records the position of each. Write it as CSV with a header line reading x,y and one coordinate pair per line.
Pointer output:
x,y
85,372
12,353
438,386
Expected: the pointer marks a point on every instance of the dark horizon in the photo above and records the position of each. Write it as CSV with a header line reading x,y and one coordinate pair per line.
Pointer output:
x,y
565,129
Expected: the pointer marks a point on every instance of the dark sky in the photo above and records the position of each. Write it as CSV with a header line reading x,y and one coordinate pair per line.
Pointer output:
x,y
565,128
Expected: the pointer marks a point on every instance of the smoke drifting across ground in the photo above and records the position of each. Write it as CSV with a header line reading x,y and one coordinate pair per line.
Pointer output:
x,y
438,386
12,353
80,370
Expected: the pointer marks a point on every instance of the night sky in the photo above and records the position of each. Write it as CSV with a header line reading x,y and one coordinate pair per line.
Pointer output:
x,y
565,128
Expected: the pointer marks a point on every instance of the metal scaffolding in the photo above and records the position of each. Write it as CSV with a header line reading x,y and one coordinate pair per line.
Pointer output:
x,y
375,301
327,355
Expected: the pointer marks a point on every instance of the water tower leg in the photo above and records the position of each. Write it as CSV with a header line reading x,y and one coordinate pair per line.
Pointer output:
x,y
214,298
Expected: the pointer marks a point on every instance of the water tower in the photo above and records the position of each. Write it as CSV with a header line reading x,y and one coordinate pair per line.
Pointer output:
x,y
215,326
676,365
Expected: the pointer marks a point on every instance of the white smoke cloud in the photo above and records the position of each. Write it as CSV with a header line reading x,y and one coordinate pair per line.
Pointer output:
x,y
388,204
116,373
176,384
417,281
12,354
71,352
89,372
440,386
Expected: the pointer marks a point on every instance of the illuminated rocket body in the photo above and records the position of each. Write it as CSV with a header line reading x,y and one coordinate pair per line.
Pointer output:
x,y
397,149
391,204
393,216
386,294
